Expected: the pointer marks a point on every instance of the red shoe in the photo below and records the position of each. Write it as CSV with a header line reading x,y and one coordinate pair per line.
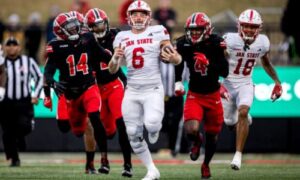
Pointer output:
x,y
195,150
205,171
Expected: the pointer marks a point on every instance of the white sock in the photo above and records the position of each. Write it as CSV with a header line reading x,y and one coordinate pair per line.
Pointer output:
x,y
146,159
238,154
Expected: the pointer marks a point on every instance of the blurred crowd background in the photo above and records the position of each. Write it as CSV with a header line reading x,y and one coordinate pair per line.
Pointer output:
x,y
31,20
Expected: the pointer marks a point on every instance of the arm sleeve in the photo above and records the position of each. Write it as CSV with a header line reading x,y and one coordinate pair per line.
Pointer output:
x,y
179,68
50,69
99,53
38,77
223,65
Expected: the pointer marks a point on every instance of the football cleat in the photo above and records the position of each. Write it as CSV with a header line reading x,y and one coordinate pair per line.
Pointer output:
x,y
236,161
153,137
127,171
104,169
90,169
15,163
205,171
152,175
195,150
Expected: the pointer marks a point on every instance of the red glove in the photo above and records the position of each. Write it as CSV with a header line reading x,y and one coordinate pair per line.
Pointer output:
x,y
179,89
224,92
48,102
200,57
276,93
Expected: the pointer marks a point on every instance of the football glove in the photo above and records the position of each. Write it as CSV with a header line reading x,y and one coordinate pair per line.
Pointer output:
x,y
179,89
276,93
2,93
48,102
224,92
201,58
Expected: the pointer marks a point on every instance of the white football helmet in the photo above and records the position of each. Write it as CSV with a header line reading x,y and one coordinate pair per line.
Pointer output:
x,y
139,6
249,18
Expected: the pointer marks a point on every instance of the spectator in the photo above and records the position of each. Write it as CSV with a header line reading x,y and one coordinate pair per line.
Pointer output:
x,y
81,6
33,35
14,28
291,29
165,15
20,70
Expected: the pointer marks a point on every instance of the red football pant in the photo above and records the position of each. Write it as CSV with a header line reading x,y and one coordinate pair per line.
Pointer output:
x,y
78,109
112,96
207,107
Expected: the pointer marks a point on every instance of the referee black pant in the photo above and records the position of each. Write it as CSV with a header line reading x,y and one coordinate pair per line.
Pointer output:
x,y
16,122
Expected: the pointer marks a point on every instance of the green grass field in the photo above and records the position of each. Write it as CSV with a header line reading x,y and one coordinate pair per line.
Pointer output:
x,y
70,166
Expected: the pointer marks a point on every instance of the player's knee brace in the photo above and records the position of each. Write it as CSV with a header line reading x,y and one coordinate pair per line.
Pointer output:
x,y
63,126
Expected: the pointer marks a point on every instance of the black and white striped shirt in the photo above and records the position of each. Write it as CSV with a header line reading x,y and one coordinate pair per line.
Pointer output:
x,y
168,78
20,73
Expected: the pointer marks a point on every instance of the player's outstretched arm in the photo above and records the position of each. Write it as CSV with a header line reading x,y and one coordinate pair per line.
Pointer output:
x,y
277,91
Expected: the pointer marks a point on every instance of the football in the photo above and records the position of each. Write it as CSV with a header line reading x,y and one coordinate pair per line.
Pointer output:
x,y
168,48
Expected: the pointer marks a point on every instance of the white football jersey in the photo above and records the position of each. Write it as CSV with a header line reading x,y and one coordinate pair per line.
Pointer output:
x,y
242,62
142,54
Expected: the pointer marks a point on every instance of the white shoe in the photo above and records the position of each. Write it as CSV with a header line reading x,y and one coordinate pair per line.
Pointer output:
x,y
153,137
236,162
152,175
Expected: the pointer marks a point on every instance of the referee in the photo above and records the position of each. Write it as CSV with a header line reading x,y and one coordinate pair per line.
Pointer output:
x,y
16,109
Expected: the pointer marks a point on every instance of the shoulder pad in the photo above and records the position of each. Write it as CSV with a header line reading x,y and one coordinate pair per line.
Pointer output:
x,y
217,40
181,40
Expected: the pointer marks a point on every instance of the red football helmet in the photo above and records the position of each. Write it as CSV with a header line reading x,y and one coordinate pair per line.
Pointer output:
x,y
142,22
249,24
197,27
67,26
97,22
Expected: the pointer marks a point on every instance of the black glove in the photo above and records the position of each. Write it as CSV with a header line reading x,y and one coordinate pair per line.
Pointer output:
x,y
59,87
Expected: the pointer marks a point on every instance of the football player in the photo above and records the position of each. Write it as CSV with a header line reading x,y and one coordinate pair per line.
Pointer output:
x,y
74,54
205,58
244,49
143,104
111,85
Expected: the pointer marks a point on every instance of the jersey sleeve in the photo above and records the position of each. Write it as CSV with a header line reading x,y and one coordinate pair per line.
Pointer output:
x,y
50,66
179,68
117,40
227,41
265,43
162,33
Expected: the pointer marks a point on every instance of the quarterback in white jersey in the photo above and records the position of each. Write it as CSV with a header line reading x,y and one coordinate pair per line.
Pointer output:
x,y
143,105
244,49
